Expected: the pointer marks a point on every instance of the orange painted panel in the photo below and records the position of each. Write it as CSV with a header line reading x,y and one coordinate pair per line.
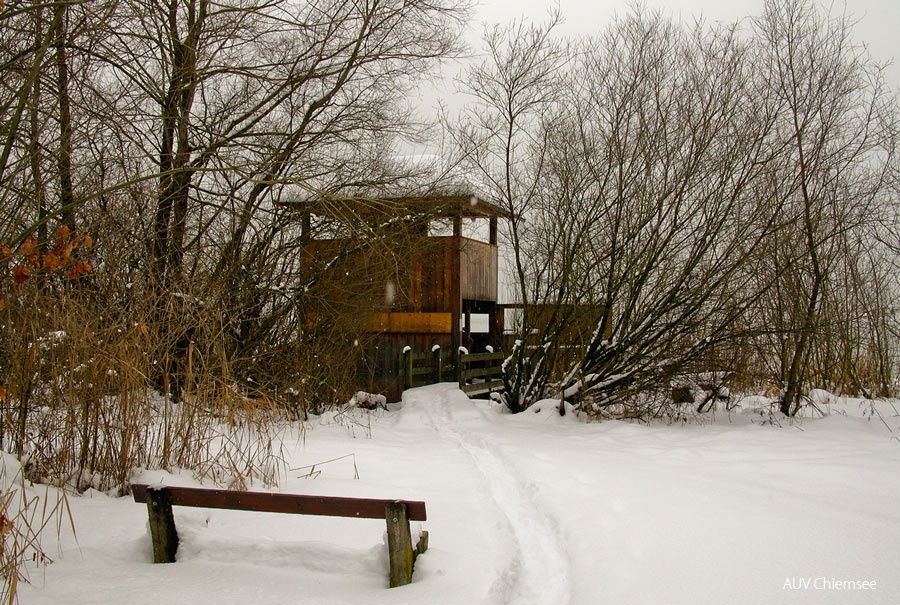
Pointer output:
x,y
411,323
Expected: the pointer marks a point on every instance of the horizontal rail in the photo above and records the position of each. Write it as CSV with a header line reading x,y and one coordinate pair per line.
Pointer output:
x,y
480,372
475,357
329,506
482,387
419,356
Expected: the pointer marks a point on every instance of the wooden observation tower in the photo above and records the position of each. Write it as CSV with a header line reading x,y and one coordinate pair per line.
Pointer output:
x,y
443,289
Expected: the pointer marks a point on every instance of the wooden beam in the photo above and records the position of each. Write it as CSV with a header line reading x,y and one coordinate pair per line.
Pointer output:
x,y
410,323
329,506
306,227
467,327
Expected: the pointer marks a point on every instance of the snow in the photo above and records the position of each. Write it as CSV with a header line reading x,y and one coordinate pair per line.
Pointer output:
x,y
535,508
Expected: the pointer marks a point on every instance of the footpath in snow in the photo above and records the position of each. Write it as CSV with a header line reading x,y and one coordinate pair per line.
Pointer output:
x,y
529,509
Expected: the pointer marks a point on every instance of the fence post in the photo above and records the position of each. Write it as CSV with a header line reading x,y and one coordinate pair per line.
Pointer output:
x,y
460,374
438,364
408,365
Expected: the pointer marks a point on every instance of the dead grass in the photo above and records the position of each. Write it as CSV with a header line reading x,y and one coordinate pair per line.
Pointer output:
x,y
26,520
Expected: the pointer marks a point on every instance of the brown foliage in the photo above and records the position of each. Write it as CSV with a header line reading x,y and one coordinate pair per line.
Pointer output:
x,y
21,274
63,259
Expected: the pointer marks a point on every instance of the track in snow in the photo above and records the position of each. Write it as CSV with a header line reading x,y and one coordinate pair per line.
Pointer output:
x,y
537,571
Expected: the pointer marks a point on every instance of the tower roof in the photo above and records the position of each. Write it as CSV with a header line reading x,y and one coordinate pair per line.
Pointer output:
x,y
442,205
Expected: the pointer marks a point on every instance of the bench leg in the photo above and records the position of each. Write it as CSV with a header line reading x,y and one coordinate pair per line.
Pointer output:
x,y
399,544
162,525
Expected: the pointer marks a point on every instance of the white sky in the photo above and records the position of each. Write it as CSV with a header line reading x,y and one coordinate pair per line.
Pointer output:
x,y
878,27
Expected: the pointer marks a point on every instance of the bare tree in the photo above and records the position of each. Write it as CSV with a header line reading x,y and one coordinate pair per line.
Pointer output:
x,y
501,140
172,131
203,116
697,190
829,169
668,140
639,204
61,41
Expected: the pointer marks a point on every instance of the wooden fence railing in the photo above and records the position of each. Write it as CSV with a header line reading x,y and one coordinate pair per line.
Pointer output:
x,y
420,369
476,373
479,373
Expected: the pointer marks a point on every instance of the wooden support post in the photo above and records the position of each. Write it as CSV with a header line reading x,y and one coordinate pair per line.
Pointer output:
x,y
459,367
162,525
400,548
454,294
496,319
306,228
467,327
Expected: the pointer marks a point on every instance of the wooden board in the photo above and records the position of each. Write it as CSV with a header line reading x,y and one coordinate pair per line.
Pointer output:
x,y
478,270
329,506
410,323
480,388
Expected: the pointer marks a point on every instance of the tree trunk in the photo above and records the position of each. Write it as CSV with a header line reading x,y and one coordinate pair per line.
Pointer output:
x,y
64,157
175,149
790,401
34,146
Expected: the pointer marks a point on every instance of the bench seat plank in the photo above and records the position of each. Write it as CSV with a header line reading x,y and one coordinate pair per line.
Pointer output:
x,y
331,506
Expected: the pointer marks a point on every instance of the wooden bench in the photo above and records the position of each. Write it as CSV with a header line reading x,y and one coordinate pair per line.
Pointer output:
x,y
397,514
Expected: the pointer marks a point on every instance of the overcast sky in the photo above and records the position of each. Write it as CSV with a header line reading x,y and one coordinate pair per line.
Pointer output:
x,y
878,27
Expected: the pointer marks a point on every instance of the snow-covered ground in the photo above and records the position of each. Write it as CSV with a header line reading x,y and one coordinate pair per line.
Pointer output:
x,y
530,509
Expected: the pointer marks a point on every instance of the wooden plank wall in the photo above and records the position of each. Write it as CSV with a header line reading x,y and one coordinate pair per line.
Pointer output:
x,y
478,270
434,270
426,277
430,279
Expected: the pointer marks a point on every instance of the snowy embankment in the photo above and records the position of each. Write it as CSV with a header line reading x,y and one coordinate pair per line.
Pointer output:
x,y
530,509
